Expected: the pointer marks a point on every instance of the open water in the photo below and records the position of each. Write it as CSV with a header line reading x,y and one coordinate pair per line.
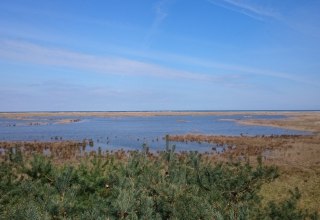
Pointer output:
x,y
130,133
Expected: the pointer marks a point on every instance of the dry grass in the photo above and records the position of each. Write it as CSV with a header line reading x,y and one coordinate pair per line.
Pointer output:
x,y
303,121
297,156
299,167
307,182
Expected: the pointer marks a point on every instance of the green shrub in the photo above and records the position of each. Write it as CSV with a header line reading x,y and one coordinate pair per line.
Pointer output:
x,y
169,186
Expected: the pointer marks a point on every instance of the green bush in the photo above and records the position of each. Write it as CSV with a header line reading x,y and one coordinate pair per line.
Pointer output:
x,y
168,186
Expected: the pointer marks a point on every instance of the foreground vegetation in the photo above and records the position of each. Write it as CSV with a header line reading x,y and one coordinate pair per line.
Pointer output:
x,y
139,186
296,156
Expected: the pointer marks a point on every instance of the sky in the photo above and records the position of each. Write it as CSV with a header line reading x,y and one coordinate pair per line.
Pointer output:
x,y
124,55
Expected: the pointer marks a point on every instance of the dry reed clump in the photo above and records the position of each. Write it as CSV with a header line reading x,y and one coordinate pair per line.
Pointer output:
x,y
235,143
55,149
63,151
242,147
300,121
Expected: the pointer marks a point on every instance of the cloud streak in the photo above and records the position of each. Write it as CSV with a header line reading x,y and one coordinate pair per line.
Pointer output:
x,y
25,52
247,8
238,71
300,19
37,54
160,15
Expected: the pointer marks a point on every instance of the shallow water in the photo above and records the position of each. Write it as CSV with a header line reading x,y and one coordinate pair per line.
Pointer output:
x,y
129,133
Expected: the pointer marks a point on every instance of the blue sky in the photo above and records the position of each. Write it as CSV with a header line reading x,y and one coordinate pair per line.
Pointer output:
x,y
159,55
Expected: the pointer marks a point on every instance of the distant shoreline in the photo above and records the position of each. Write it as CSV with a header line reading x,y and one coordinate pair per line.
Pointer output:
x,y
297,120
159,111
153,113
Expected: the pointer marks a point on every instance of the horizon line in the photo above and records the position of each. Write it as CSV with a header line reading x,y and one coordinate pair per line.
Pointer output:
x,y
230,110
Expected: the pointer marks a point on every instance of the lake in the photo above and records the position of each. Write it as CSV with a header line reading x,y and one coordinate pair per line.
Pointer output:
x,y
128,133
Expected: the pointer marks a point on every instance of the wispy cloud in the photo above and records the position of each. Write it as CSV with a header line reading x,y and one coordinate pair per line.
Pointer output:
x,y
160,15
303,19
222,73
248,8
232,75
234,71
33,53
